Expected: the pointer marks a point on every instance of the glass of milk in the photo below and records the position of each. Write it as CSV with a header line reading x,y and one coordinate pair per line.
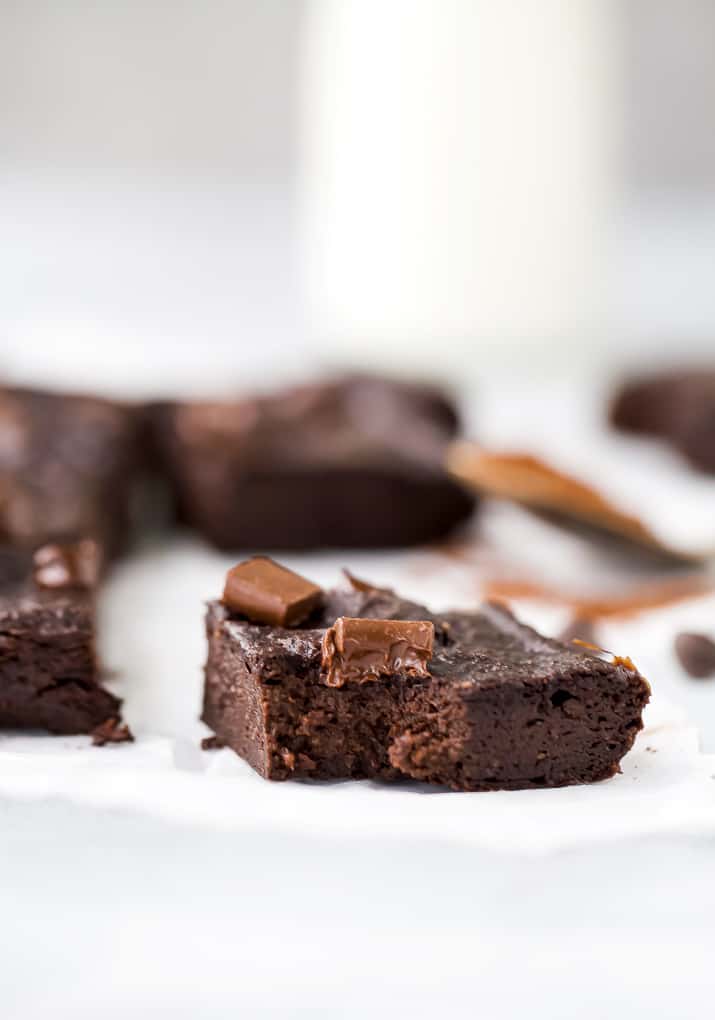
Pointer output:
x,y
460,175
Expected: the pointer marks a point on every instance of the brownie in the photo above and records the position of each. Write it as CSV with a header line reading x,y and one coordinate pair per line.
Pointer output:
x,y
498,707
676,406
357,462
49,678
67,468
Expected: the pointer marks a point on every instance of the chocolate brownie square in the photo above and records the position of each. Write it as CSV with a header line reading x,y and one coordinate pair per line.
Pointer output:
x,y
67,468
494,707
49,678
353,463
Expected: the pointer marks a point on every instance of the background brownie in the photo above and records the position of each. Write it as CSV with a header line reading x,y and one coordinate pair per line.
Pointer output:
x,y
503,707
48,670
353,463
678,406
67,465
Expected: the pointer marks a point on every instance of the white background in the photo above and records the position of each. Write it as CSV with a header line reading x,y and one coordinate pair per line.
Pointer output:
x,y
149,180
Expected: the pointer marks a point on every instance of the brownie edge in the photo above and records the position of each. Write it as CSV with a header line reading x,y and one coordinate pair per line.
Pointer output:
x,y
49,674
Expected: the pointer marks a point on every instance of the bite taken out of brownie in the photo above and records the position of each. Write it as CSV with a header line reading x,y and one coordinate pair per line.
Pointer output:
x,y
49,677
351,463
370,685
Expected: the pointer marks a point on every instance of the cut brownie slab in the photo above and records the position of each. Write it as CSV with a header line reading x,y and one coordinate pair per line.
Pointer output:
x,y
67,464
500,707
48,668
353,463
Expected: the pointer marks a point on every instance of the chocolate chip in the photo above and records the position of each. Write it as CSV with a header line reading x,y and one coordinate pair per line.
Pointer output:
x,y
265,592
696,653
359,650
72,565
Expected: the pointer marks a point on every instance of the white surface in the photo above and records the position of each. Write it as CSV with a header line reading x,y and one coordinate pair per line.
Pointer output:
x,y
132,917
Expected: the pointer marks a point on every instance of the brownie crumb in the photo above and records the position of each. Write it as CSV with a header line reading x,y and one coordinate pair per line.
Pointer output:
x,y
212,743
696,654
112,731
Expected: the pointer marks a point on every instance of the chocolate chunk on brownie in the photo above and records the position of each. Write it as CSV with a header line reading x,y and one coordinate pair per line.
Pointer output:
x,y
67,466
676,406
353,463
49,677
265,592
494,706
362,650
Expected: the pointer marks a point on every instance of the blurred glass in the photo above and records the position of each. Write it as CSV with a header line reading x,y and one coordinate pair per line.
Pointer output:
x,y
462,171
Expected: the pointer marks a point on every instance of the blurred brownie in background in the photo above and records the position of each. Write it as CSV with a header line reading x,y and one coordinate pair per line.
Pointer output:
x,y
67,468
677,406
357,462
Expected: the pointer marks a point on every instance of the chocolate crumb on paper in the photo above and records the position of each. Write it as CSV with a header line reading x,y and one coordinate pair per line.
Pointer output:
x,y
112,731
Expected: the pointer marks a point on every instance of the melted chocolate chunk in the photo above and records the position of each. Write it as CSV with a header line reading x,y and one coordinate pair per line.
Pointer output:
x,y
358,650
265,592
